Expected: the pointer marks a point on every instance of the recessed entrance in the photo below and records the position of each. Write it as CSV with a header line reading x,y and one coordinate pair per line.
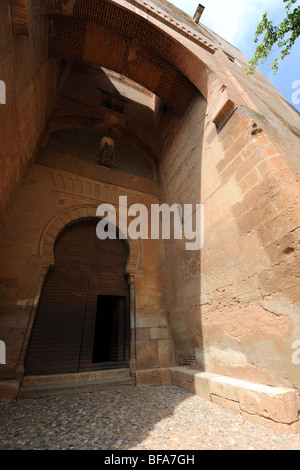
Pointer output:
x,y
109,329
82,321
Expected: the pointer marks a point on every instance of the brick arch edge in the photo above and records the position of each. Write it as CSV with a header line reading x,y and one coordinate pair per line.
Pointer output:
x,y
62,220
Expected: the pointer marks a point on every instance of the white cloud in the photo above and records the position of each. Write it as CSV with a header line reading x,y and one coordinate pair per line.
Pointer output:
x,y
233,20
236,22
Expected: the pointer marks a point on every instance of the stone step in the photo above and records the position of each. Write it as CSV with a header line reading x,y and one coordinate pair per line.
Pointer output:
x,y
42,380
60,387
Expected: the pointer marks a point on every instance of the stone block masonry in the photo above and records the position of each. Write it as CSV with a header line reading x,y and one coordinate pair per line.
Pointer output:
x,y
274,407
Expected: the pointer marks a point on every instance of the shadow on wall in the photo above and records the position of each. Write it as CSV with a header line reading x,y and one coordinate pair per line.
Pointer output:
x,y
91,91
91,108
180,176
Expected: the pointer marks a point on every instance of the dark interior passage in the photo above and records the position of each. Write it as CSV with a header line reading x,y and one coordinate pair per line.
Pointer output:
x,y
109,329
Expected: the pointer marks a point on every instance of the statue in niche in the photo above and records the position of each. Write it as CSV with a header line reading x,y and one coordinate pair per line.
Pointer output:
x,y
107,152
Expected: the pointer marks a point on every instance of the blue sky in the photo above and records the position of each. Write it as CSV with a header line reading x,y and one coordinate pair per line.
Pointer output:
x,y
236,21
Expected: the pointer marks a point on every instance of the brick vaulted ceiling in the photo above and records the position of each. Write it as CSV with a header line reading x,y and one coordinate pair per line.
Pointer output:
x,y
101,32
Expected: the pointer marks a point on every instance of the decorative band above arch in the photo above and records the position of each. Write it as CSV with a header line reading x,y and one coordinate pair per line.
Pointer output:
x,y
64,219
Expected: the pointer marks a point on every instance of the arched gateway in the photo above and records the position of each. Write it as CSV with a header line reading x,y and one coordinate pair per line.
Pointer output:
x,y
82,321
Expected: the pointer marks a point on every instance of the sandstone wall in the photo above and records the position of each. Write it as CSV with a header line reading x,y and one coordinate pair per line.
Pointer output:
x,y
180,177
31,88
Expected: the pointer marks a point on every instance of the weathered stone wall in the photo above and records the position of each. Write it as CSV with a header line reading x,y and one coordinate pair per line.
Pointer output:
x,y
277,114
234,306
180,177
50,199
31,81
256,300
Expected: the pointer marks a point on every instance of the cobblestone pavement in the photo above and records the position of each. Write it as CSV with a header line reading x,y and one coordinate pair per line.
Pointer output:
x,y
154,418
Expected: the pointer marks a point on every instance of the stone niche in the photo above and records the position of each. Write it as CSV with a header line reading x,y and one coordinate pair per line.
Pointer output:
x,y
94,146
107,152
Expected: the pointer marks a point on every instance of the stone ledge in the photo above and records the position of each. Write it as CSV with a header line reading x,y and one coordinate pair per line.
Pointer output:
x,y
149,377
274,407
9,390
79,378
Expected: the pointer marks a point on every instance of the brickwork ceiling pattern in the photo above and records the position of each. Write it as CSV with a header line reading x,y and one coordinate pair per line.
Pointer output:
x,y
85,144
71,122
102,33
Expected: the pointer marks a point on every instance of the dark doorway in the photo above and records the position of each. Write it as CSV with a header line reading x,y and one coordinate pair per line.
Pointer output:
x,y
109,329
82,321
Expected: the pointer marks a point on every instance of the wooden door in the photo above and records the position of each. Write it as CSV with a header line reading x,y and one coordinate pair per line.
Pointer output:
x,y
63,334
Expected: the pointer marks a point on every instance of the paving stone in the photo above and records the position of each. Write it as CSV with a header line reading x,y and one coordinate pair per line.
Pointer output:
x,y
150,418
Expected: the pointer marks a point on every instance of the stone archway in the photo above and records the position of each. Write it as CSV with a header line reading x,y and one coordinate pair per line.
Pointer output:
x,y
153,45
82,322
138,41
58,223
47,259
